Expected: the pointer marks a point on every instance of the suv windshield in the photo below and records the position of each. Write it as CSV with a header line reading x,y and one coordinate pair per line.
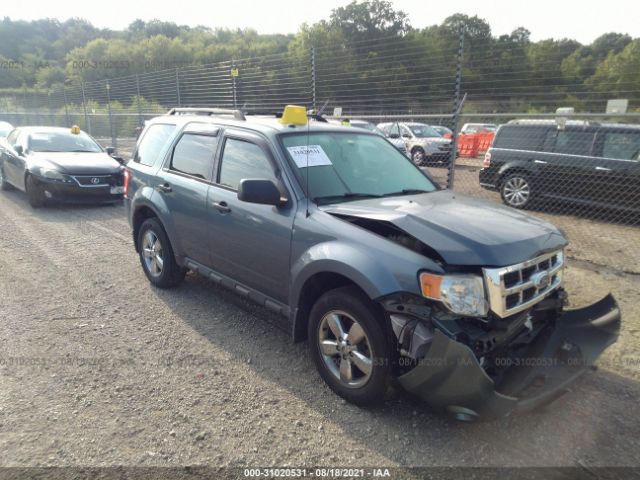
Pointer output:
x,y
62,142
423,131
352,165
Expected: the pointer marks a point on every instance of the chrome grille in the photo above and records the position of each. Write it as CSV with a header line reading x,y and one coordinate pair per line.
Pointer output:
x,y
515,288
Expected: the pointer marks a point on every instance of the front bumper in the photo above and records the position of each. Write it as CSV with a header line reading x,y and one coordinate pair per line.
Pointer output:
x,y
450,377
67,192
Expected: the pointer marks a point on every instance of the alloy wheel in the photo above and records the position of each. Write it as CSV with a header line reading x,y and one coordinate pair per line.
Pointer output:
x,y
418,157
516,191
345,349
152,253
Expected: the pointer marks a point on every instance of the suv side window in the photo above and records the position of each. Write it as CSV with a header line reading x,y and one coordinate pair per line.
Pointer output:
x,y
152,143
242,159
193,155
522,137
574,142
621,145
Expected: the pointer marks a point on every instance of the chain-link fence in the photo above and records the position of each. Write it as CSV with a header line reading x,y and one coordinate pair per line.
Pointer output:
x,y
581,171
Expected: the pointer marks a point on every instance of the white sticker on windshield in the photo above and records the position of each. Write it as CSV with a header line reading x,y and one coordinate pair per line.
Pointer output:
x,y
309,155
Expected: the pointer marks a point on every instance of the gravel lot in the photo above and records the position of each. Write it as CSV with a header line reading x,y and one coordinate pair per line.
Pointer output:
x,y
98,368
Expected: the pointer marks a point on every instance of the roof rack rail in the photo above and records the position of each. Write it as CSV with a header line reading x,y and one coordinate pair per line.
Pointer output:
x,y
237,114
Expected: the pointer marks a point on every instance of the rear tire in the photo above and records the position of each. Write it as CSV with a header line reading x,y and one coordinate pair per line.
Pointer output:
x,y
349,346
35,193
156,255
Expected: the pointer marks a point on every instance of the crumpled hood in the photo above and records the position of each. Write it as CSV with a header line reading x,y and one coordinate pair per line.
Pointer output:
x,y
78,163
463,230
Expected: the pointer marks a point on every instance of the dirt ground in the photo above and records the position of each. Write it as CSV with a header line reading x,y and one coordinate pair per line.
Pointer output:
x,y
98,368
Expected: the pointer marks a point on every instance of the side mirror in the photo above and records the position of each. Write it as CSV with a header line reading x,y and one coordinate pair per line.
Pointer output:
x,y
394,135
110,150
18,149
406,135
264,192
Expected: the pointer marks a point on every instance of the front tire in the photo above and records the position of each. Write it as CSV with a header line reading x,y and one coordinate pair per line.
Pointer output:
x,y
349,346
156,255
516,190
4,185
418,156
35,193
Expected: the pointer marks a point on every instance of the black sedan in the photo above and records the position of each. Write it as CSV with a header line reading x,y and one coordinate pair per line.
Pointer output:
x,y
60,164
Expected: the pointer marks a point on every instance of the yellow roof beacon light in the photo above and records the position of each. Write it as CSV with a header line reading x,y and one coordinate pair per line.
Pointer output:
x,y
75,129
294,115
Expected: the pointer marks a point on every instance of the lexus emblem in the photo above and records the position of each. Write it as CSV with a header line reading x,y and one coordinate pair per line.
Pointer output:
x,y
95,180
541,280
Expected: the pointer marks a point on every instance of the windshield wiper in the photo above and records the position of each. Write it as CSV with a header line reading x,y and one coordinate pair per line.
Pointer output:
x,y
83,151
406,191
346,195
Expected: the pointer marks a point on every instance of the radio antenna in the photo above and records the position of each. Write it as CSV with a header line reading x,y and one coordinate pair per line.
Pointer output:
x,y
308,193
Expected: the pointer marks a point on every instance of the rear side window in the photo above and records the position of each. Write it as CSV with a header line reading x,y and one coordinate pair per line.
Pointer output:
x,y
242,160
518,137
153,143
574,142
621,145
193,155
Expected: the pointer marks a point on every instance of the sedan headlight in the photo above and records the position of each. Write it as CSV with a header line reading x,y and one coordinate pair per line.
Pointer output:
x,y
53,175
461,293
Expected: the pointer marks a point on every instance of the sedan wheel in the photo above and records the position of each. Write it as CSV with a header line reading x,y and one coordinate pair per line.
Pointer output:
x,y
345,349
516,191
3,183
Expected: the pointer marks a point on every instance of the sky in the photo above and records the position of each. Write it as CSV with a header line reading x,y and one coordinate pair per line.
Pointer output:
x,y
580,20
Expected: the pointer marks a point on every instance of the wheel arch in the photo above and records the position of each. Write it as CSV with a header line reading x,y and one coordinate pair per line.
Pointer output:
x,y
142,213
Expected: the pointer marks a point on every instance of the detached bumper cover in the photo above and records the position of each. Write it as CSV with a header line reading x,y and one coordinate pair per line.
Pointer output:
x,y
450,376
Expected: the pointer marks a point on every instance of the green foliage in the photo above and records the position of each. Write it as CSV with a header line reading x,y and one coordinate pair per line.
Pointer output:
x,y
362,43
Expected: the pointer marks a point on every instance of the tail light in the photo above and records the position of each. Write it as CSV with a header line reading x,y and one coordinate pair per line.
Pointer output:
x,y
487,160
127,178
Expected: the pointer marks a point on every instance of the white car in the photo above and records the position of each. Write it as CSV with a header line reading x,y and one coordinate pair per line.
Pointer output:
x,y
422,141
5,128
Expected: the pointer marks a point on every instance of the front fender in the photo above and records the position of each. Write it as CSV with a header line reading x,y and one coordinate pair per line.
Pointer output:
x,y
347,260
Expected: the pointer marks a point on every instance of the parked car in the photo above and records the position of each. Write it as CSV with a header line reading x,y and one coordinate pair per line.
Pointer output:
x,y
61,164
5,128
359,251
588,163
478,128
396,142
424,144
443,131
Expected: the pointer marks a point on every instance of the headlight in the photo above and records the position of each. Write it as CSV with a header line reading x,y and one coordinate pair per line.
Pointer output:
x,y
53,175
462,294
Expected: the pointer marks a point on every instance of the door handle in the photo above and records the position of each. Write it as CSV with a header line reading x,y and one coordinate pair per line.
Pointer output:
x,y
541,162
603,169
165,188
222,207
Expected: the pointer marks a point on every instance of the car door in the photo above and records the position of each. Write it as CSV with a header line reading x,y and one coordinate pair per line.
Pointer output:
x,y
618,167
13,164
249,242
570,171
184,183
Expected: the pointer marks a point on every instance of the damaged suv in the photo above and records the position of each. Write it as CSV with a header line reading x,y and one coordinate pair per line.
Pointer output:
x,y
390,279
